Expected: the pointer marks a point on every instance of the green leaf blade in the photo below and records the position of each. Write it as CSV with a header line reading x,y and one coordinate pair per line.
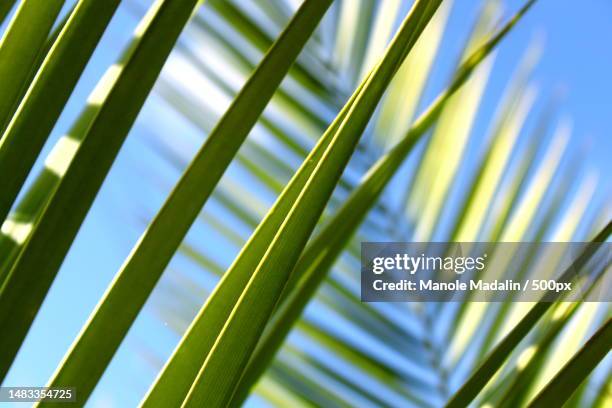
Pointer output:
x,y
103,334
248,318
5,9
567,381
19,50
312,266
45,99
494,360
112,109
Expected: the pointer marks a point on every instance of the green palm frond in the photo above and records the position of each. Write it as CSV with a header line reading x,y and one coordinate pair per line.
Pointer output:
x,y
290,133
49,91
20,49
5,9
571,375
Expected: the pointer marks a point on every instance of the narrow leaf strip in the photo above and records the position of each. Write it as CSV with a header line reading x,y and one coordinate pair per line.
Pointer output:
x,y
399,107
521,380
21,44
430,182
82,167
181,369
481,376
5,9
104,331
45,99
563,385
321,252
19,224
226,361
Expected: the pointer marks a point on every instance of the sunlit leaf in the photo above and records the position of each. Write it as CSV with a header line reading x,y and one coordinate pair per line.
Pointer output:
x,y
20,48
561,387
113,107
29,128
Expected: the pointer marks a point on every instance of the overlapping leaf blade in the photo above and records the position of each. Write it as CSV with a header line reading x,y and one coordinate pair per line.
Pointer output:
x,y
104,332
20,48
115,105
341,369
320,254
494,360
42,104
304,228
577,369
5,9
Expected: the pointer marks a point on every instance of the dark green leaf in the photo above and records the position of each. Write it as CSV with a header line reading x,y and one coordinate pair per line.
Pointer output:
x,y
494,360
319,255
97,343
563,385
229,355
46,97
20,47
82,166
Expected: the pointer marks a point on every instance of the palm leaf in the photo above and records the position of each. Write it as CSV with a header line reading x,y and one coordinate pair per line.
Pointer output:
x,y
312,267
531,361
5,9
577,369
310,339
481,376
20,48
42,104
106,125
138,268
216,360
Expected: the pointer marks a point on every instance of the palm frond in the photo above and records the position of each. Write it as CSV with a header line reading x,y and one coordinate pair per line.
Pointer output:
x,y
278,137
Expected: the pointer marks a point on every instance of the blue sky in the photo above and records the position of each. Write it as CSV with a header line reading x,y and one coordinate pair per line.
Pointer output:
x,y
576,58
575,63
